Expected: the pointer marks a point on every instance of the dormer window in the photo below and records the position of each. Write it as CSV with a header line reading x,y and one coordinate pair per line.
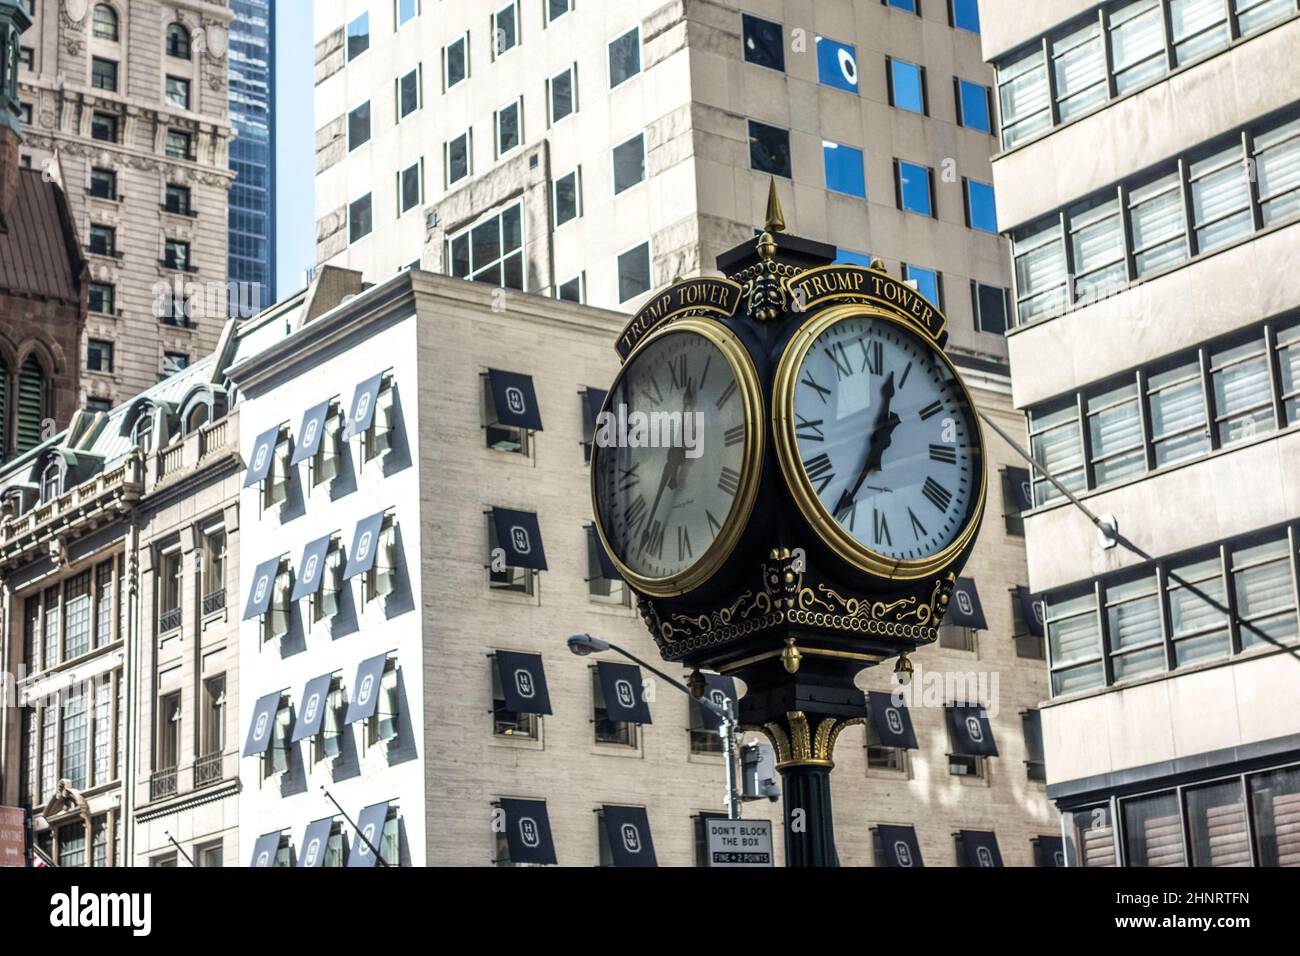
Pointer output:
x,y
142,433
51,482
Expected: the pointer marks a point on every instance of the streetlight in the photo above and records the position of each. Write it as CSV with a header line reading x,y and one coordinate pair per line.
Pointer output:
x,y
584,644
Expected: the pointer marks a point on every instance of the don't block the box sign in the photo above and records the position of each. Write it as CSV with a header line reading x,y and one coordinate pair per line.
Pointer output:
x,y
739,842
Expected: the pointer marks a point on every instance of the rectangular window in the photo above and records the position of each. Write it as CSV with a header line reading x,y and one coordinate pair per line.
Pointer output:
x,y
989,303
99,356
908,5
973,106
275,760
1217,825
73,745
1198,625
1254,15
1277,171
957,638
907,86
603,590
275,622
178,92
382,725
359,126
458,160
101,298
1263,586
103,240
505,29
1056,441
76,610
1024,98
1243,394
409,188
214,571
981,209
510,723
879,756
1288,359
1137,642
912,185
169,732
103,74
491,251
1079,69
1074,642
629,163
455,61
624,57
325,463
176,254
407,10
1176,398
634,272
1198,28
103,126
104,604
214,715
562,94
50,656
408,93
176,200
1115,434
179,145
568,197
1153,831
844,169
1097,244
27,57
169,592
1220,198
275,488
509,125
763,42
102,733
608,731
1032,729
49,740
1137,44
325,602
358,36
556,9
72,845
359,218
103,184
964,15
927,282
382,576
1274,806
1158,224
769,149
572,289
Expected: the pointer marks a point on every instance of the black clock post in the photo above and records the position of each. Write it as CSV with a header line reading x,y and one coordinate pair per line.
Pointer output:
x,y
788,599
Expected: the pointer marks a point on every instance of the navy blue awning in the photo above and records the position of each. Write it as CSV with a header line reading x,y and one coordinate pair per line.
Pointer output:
x,y
523,682
603,564
971,731
1031,610
892,721
263,454
370,824
980,848
520,537
528,831
312,569
263,723
593,401
899,846
1017,480
621,687
964,608
718,689
309,435
515,400
259,593
362,412
365,692
315,842
1049,851
265,850
365,545
628,832
311,712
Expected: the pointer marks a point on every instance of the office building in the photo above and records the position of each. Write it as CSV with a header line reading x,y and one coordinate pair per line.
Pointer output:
x,y
252,156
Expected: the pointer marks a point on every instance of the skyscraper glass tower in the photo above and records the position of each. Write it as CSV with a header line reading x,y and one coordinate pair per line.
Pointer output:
x,y
252,153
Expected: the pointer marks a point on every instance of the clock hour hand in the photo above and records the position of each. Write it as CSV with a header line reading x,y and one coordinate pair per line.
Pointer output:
x,y
881,437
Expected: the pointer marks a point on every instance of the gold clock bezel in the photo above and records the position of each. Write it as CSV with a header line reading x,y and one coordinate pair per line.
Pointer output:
x,y
810,504
733,526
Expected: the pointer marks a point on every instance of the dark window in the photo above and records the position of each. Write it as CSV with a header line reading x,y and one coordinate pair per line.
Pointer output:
x,y
505,29
509,127
634,272
629,163
178,41
177,199
455,59
625,57
570,291
359,218
568,198
99,355
104,26
408,188
557,8
990,306
101,298
179,144
174,362
176,254
103,240
408,94
103,74
764,42
103,184
178,92
769,149
103,126
458,158
358,36
563,94
359,126
491,251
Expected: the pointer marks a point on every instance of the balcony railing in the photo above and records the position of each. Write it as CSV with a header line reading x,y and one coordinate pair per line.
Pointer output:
x,y
214,601
212,437
170,460
162,783
169,620
207,770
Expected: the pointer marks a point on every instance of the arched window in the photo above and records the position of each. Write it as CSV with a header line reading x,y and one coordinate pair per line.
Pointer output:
x,y
178,41
105,27
142,434
31,405
51,482
199,416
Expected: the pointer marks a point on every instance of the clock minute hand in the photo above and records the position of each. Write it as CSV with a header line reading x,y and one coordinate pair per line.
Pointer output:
x,y
881,436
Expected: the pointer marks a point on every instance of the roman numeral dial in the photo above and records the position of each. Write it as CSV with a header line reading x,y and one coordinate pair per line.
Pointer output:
x,y
880,443
674,459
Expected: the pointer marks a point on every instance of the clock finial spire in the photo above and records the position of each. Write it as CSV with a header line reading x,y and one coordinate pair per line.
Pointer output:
x,y
775,219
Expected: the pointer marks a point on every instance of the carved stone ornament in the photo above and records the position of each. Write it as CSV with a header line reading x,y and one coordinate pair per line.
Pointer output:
x,y
74,11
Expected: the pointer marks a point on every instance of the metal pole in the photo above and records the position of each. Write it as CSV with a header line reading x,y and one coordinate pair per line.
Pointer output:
x,y
343,814
179,849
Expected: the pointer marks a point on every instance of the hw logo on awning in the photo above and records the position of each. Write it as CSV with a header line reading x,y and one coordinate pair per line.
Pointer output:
x,y
523,544
903,853
524,684
625,693
515,400
529,832
974,730
631,838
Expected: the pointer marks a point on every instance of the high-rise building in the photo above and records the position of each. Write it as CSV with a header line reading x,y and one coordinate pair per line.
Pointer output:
x,y
252,156
1149,181
126,106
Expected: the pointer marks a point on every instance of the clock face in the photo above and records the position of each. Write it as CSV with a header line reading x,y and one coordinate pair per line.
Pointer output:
x,y
673,462
888,448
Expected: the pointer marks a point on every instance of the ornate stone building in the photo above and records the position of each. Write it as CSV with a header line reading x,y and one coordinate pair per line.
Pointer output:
x,y
126,105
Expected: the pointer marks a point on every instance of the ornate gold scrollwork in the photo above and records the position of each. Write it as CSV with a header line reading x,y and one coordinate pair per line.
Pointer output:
x,y
797,745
